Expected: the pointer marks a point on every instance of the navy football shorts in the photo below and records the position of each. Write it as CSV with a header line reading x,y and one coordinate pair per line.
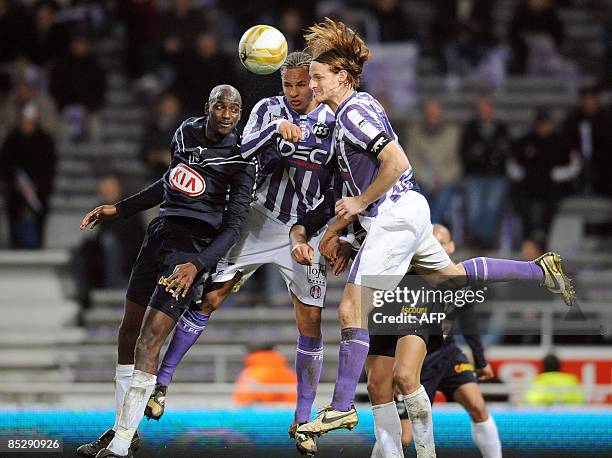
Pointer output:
x,y
169,241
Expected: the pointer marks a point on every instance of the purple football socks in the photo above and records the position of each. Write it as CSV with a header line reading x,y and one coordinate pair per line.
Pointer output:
x,y
489,270
354,348
188,329
308,363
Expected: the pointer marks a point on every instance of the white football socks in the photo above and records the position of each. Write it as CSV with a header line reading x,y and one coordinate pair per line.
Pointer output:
x,y
388,431
419,411
123,378
134,404
486,438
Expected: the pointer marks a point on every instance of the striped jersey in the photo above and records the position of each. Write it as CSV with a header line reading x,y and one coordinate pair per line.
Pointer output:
x,y
292,177
361,123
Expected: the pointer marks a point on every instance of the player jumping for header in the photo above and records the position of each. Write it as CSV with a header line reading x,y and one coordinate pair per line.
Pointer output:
x,y
386,200
181,249
291,136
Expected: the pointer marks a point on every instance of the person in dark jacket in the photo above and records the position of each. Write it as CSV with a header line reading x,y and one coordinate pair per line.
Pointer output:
x,y
542,170
200,68
28,158
155,152
484,148
589,135
462,34
78,84
533,17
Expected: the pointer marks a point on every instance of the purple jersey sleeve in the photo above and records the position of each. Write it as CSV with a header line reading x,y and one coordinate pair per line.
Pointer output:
x,y
362,127
260,129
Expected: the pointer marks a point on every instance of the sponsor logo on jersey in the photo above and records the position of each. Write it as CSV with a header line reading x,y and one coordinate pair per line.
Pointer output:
x,y
320,130
302,152
315,292
463,367
186,180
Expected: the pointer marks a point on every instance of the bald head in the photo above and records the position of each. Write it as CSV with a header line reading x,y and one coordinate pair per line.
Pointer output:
x,y
224,91
443,235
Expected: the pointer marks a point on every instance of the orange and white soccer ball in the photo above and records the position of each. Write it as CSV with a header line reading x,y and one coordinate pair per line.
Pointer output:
x,y
262,49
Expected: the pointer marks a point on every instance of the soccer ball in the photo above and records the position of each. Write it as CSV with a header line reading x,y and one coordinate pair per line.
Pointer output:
x,y
262,49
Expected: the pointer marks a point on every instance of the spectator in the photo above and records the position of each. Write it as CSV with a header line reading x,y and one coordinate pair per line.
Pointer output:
x,y
46,38
462,32
202,68
79,84
140,20
541,169
484,148
105,260
433,151
590,137
392,22
155,149
13,21
179,28
28,158
554,387
265,367
26,90
292,26
534,19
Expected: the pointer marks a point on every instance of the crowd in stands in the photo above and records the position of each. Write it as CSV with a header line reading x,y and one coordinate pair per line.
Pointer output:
x,y
55,56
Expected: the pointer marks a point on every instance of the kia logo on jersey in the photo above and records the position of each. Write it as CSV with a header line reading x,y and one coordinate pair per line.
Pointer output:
x,y
187,180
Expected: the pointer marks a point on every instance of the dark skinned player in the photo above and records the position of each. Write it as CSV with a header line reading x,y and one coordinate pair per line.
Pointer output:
x,y
196,227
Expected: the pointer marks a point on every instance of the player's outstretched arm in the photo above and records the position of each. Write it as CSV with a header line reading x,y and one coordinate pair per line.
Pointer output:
x,y
240,197
149,197
100,213
393,163
260,131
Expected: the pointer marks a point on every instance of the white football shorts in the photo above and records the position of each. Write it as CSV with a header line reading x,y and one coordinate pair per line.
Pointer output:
x,y
266,241
399,237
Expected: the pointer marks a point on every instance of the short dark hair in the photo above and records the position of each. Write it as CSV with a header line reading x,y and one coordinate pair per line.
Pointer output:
x,y
296,59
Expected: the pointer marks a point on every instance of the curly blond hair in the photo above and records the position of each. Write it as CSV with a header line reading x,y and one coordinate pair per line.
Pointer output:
x,y
334,43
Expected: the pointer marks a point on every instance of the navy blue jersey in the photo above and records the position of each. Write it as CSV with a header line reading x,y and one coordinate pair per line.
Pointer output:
x,y
207,182
203,173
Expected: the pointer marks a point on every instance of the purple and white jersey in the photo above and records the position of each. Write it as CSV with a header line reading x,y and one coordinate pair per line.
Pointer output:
x,y
361,123
292,176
